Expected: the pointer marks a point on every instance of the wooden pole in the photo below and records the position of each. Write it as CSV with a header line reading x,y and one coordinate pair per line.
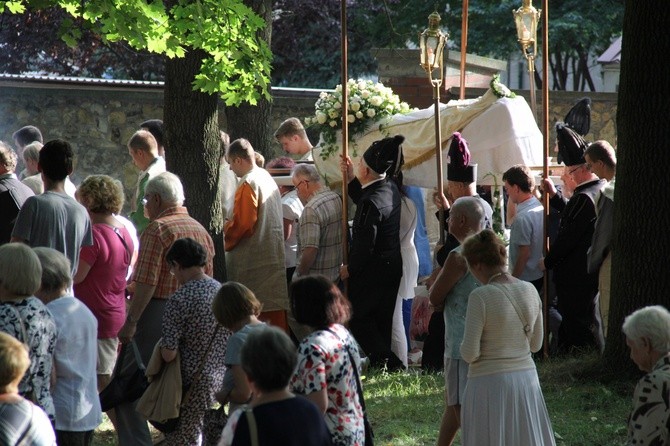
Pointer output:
x,y
464,46
438,152
545,165
345,139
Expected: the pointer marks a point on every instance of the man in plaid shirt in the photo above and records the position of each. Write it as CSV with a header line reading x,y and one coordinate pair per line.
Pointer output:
x,y
163,199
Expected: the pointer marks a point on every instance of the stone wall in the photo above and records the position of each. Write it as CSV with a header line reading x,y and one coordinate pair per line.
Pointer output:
x,y
99,119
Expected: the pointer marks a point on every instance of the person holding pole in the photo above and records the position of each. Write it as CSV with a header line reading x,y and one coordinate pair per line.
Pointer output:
x,y
374,268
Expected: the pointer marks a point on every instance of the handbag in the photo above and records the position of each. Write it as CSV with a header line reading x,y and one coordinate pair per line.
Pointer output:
x,y
369,434
170,425
213,423
126,385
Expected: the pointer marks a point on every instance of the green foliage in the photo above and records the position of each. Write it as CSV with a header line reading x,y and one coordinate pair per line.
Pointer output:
x,y
237,62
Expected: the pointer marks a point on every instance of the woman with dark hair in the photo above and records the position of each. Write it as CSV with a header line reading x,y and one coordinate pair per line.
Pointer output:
x,y
190,327
325,372
503,401
280,418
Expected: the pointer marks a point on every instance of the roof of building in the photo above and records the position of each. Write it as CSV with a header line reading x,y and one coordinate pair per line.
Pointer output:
x,y
611,54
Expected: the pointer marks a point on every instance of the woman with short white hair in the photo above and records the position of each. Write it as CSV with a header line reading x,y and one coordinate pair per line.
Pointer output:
x,y
647,333
25,317
74,387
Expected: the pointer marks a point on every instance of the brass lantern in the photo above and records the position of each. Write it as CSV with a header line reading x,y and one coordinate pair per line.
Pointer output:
x,y
432,42
526,18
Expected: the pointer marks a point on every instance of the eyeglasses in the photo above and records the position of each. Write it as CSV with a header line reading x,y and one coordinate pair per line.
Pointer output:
x,y
571,171
299,183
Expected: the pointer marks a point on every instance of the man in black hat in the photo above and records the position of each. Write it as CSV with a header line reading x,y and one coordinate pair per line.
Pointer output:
x,y
576,288
375,264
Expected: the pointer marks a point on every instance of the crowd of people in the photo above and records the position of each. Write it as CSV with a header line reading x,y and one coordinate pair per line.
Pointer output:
x,y
86,294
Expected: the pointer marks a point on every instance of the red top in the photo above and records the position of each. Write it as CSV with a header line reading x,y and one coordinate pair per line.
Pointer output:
x,y
103,289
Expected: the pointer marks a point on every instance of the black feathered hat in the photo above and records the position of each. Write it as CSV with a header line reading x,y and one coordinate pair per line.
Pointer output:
x,y
385,155
571,145
459,167
579,117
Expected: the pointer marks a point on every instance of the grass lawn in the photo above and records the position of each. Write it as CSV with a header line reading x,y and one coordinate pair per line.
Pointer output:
x,y
405,408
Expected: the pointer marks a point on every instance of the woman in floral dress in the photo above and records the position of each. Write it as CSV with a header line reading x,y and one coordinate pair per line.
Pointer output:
x,y
27,319
325,372
189,326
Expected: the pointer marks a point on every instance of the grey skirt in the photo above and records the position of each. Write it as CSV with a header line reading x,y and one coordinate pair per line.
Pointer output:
x,y
505,409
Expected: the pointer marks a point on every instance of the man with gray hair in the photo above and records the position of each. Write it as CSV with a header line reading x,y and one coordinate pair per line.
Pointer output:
x,y
13,193
320,225
450,292
153,283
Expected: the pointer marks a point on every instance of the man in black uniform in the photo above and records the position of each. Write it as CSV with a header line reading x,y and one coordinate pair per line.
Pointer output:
x,y
375,265
576,289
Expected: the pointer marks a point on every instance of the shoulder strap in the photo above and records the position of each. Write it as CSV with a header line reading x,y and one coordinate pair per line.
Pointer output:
x,y
359,386
515,304
253,429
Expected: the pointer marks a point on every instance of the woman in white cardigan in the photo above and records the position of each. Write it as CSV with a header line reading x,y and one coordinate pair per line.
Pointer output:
x,y
503,403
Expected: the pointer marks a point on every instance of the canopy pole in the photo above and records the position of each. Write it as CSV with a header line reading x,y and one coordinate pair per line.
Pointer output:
x,y
545,166
345,139
464,46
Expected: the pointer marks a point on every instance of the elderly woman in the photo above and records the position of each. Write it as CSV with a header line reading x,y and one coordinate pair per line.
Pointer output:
x,y
27,319
281,418
503,402
325,372
190,327
74,384
647,333
22,421
100,280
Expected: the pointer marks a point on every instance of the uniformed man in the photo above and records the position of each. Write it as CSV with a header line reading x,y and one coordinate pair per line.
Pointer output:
x,y
375,263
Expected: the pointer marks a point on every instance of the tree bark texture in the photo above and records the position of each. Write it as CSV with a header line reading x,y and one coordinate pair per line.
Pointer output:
x,y
641,238
253,122
194,147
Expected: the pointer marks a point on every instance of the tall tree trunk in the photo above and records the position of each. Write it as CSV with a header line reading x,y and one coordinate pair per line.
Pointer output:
x,y
253,122
641,244
194,147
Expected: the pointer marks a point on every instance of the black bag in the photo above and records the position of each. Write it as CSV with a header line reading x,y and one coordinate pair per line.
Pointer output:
x,y
214,422
166,426
129,380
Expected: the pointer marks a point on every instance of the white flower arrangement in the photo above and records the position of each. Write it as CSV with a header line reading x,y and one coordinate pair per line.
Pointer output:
x,y
369,103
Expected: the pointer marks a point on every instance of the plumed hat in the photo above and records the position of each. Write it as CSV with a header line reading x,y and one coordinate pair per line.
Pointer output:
x,y
385,155
459,167
571,145
579,117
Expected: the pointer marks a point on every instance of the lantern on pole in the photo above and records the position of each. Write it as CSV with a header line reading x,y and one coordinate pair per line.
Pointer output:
x,y
526,18
432,42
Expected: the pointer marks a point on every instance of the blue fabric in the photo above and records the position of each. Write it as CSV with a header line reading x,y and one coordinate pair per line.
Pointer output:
x,y
420,235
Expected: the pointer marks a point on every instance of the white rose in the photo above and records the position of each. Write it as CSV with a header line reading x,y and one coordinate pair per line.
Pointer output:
x,y
338,88
323,95
361,85
359,115
404,106
333,114
376,101
355,106
371,113
365,94
337,105
333,123
351,118
308,121
321,118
